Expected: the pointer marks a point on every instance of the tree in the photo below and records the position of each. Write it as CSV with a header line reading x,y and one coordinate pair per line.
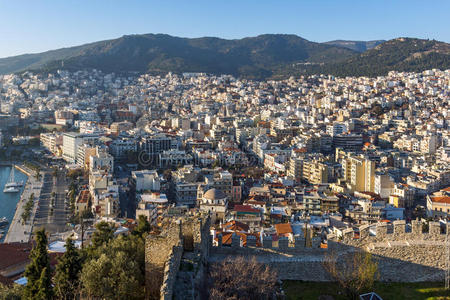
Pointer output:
x,y
117,272
43,284
38,270
74,174
355,273
66,279
255,280
11,293
143,226
103,234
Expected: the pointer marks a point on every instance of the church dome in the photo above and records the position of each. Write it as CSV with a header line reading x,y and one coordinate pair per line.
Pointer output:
x,y
214,194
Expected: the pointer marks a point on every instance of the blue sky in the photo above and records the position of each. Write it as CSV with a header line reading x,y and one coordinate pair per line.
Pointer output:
x,y
28,26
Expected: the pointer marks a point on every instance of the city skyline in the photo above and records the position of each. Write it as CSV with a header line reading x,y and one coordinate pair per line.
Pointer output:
x,y
49,25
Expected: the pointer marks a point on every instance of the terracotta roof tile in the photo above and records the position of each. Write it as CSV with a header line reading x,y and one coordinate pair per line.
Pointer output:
x,y
283,228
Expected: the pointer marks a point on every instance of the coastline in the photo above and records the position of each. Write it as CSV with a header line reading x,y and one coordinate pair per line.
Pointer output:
x,y
17,231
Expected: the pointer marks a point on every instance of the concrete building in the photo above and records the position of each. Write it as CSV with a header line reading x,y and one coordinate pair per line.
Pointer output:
x,y
336,128
359,173
315,171
152,206
53,142
101,160
438,204
145,180
71,142
215,202
383,185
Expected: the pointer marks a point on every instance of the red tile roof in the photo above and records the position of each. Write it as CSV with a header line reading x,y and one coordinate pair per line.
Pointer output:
x,y
14,253
245,208
235,226
84,196
442,199
283,228
226,238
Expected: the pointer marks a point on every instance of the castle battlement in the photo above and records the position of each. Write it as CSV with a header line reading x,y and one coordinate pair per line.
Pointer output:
x,y
419,253
397,231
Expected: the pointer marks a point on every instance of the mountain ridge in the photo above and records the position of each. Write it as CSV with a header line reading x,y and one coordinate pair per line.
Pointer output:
x,y
263,56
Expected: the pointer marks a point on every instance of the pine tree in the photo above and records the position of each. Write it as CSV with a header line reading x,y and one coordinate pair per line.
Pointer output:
x,y
143,226
118,272
67,273
43,284
38,270
103,234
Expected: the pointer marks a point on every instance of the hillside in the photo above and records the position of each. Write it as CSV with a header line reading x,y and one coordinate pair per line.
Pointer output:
x,y
402,54
158,53
358,46
264,56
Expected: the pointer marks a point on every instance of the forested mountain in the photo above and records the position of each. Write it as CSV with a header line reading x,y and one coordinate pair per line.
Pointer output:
x,y
264,56
402,54
159,53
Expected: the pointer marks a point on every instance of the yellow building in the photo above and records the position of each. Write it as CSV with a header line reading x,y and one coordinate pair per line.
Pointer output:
x,y
315,171
296,168
359,173
397,201
438,204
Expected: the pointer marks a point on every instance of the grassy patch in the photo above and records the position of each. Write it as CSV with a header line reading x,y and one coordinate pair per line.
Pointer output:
x,y
389,291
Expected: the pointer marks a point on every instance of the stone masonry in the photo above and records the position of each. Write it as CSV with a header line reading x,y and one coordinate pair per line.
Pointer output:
x,y
404,253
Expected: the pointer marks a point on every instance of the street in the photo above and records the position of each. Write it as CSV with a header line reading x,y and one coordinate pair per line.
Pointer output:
x,y
53,221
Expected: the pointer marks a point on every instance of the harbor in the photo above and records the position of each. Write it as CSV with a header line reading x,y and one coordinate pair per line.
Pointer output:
x,y
13,203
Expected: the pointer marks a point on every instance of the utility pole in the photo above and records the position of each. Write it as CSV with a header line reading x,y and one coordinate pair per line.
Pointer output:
x,y
82,220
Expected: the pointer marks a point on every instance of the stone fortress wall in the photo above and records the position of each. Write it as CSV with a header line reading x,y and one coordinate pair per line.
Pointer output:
x,y
404,253
164,253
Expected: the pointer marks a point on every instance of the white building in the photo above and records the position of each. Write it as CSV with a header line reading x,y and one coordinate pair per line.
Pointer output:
x,y
383,185
336,128
151,205
121,146
215,202
102,160
51,141
71,142
146,180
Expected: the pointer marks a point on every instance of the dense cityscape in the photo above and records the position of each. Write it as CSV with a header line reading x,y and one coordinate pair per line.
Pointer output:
x,y
295,163
224,150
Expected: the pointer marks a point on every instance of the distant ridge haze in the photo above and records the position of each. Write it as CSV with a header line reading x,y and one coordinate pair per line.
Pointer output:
x,y
359,46
263,56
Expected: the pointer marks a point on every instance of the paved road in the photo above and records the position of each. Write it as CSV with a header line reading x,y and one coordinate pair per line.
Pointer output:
x,y
53,211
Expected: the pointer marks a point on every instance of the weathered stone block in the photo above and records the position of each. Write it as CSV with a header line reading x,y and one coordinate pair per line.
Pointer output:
x,y
219,240
416,227
283,243
400,227
235,241
364,231
299,242
381,230
267,242
435,229
251,241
